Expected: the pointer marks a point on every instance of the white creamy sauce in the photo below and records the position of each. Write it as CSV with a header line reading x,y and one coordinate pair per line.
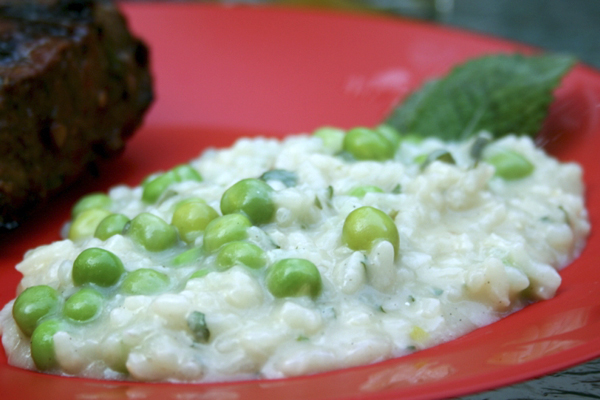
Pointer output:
x,y
473,248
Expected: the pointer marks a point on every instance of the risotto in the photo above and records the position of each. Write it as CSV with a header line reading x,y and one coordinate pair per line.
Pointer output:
x,y
276,258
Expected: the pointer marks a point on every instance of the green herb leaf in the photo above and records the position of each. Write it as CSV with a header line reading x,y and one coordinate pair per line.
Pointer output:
x,y
502,94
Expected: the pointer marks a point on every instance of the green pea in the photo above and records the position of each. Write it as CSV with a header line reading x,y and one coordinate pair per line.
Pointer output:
x,y
251,197
225,229
190,200
97,266
412,138
42,344
145,281
93,200
32,305
110,226
420,159
154,188
85,223
510,165
153,233
361,191
200,273
188,257
185,172
241,253
294,277
390,133
368,144
83,305
333,138
366,226
191,219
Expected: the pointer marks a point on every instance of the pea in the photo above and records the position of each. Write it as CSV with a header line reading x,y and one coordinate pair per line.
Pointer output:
x,y
92,200
145,281
200,273
368,144
152,232
191,219
32,305
251,197
366,226
241,253
190,200
97,266
294,277
420,159
42,344
510,165
332,138
83,305
110,226
390,133
412,138
154,188
225,229
188,257
361,191
86,222
185,172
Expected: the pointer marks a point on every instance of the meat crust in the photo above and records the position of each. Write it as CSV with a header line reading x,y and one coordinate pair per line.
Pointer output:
x,y
74,85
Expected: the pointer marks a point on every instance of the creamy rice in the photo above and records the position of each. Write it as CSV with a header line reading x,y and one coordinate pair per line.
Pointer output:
x,y
473,248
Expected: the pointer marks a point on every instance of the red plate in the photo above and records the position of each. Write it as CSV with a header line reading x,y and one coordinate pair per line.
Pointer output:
x,y
224,72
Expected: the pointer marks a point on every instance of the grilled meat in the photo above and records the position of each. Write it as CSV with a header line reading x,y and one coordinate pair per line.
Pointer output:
x,y
74,85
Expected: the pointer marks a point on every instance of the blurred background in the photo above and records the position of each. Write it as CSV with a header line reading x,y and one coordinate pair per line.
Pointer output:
x,y
566,26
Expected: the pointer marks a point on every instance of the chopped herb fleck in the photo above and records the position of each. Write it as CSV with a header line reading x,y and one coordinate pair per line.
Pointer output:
x,y
318,203
438,155
197,323
330,192
567,218
478,145
288,178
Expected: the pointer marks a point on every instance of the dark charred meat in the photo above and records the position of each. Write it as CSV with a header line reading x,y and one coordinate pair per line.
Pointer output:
x,y
74,85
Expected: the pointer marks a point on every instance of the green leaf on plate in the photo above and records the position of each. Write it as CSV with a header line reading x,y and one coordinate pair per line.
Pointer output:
x,y
502,94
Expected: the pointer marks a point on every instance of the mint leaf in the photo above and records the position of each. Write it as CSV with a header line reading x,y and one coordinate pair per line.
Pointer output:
x,y
501,93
